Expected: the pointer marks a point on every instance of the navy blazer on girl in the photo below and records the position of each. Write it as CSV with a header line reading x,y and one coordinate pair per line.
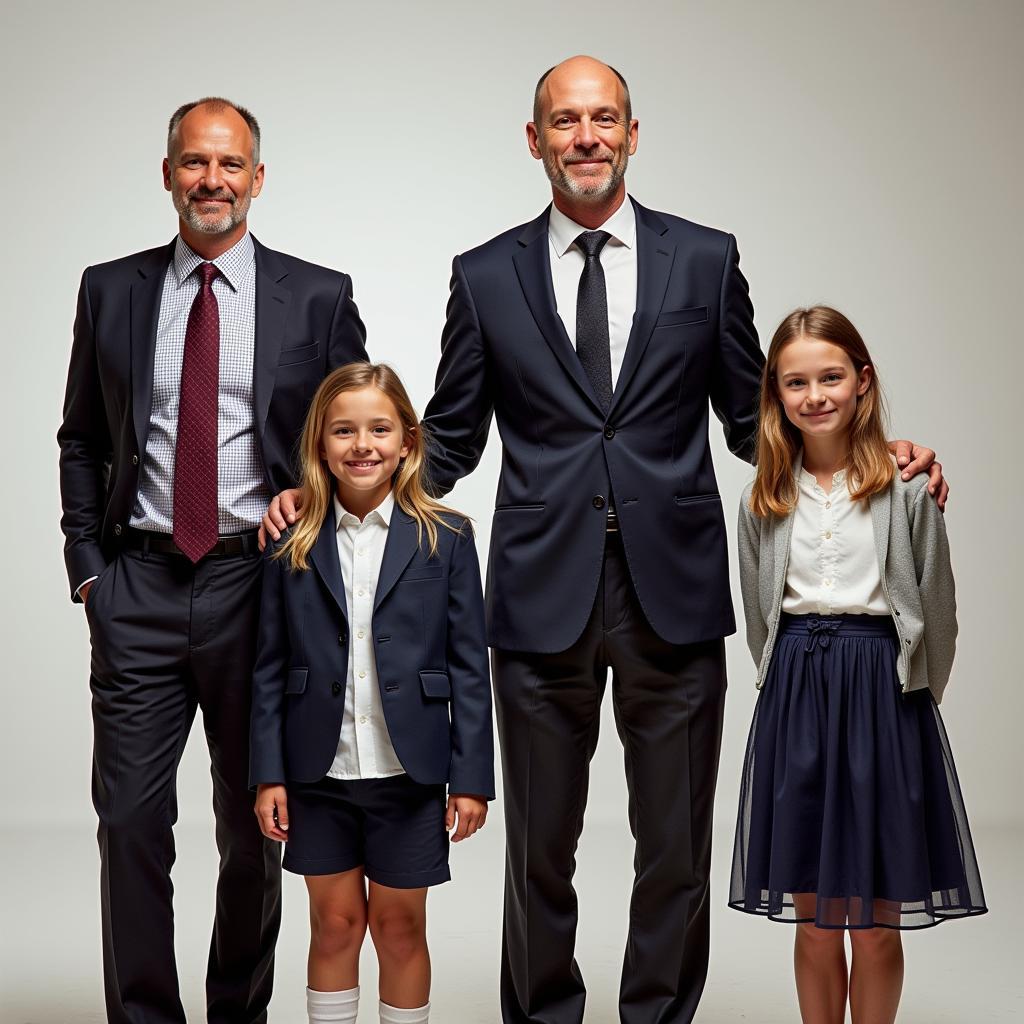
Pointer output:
x,y
429,642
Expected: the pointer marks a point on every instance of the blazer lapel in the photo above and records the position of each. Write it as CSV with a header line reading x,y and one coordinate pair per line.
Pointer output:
x,y
145,313
655,255
881,511
399,548
324,557
272,302
533,265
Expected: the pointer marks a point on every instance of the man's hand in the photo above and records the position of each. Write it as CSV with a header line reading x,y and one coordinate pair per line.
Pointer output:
x,y
471,812
272,811
284,510
83,591
913,459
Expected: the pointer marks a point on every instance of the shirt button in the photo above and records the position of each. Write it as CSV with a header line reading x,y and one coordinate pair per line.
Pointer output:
x,y
828,583
361,593
360,634
828,504
362,719
362,551
362,675
828,535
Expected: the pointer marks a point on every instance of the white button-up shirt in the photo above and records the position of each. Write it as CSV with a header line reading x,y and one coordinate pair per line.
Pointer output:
x,y
833,568
365,750
618,260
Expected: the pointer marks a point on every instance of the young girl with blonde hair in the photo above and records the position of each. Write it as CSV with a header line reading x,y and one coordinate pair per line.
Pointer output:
x,y
371,693
851,816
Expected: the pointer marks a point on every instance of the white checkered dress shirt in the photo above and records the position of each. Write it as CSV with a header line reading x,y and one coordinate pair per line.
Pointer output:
x,y
242,492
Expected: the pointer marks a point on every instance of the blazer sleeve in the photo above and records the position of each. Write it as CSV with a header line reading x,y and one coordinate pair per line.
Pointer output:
x,y
748,537
736,374
266,743
458,417
86,450
472,737
937,589
348,335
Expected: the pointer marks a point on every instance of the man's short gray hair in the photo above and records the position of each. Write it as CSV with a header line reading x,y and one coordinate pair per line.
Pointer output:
x,y
218,103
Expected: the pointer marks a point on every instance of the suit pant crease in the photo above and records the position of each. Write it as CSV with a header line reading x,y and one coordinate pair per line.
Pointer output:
x,y
168,638
668,702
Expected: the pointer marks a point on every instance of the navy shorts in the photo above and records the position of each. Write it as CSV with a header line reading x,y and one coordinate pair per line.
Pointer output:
x,y
392,828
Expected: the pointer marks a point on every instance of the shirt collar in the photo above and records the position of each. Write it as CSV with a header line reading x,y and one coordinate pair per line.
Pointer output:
x,y
381,514
621,225
232,264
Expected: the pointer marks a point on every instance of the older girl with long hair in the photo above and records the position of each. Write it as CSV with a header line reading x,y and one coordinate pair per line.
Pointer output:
x,y
851,817
371,693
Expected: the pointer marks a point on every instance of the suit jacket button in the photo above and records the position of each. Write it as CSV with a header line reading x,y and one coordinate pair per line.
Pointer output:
x,y
335,687
609,432
135,460
117,529
598,501
342,639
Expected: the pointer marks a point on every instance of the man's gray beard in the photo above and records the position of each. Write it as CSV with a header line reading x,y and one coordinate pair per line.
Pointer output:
x,y
234,216
564,182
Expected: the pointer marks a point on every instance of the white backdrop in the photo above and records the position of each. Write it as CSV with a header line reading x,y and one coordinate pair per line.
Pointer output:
x,y
863,156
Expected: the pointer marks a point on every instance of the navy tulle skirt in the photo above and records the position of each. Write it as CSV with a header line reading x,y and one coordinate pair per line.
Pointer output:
x,y
850,810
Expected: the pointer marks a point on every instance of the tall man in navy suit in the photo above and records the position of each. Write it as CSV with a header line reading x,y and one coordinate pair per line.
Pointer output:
x,y
191,369
598,334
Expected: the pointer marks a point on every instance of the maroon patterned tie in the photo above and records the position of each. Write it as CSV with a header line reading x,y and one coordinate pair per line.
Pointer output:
x,y
195,458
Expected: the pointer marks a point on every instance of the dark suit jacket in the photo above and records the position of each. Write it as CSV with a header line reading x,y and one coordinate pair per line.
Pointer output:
x,y
306,325
428,638
505,352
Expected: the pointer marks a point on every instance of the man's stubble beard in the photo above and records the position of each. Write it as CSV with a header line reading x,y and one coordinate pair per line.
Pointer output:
x,y
565,183
235,214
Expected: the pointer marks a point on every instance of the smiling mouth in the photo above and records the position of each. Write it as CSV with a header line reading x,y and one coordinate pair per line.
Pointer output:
x,y
819,415
363,464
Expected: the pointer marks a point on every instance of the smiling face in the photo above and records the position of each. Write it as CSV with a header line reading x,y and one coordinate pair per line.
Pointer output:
x,y
818,386
362,443
209,170
583,132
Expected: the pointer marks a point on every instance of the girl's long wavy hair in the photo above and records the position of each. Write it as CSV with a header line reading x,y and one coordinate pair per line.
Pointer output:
x,y
869,466
409,484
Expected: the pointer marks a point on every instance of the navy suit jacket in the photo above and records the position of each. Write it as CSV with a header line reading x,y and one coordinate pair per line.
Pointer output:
x,y
431,655
306,325
505,352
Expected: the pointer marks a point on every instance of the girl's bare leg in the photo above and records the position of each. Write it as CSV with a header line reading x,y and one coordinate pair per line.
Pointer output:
x,y
819,962
337,925
876,975
398,927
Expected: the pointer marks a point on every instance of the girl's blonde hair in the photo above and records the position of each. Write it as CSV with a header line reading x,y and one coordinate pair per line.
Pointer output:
x,y
869,466
410,486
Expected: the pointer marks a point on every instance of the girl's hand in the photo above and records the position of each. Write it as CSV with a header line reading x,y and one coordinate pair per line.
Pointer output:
x,y
272,811
471,812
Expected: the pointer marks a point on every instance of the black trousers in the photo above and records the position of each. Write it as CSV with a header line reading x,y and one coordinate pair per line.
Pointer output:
x,y
167,637
669,702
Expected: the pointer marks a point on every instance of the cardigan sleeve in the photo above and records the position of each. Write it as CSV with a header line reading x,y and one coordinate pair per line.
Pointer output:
x,y
936,587
748,534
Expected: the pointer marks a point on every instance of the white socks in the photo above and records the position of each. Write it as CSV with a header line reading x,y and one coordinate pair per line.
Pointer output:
x,y
343,1007
333,1007
393,1015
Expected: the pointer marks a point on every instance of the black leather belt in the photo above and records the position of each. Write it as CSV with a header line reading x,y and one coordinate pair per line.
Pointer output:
x,y
231,544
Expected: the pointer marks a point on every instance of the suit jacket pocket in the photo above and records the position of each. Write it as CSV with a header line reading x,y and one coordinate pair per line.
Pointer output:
x,y
296,682
436,685
682,317
427,572
689,499
303,354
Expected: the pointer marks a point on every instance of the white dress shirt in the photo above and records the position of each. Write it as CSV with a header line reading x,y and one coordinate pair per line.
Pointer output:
x,y
365,750
833,569
242,491
618,260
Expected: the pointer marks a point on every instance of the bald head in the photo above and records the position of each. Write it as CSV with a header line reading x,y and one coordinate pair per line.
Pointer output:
x,y
572,73
214,105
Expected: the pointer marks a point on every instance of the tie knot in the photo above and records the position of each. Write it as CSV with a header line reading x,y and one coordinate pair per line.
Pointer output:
x,y
592,242
207,272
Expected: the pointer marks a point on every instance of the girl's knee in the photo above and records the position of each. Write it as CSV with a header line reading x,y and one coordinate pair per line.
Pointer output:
x,y
880,943
820,939
397,933
336,929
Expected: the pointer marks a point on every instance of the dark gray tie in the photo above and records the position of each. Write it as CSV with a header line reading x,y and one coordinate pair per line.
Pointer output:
x,y
592,341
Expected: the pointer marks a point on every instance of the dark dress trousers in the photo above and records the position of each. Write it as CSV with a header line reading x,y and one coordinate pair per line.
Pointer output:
x,y
168,636
429,646
566,600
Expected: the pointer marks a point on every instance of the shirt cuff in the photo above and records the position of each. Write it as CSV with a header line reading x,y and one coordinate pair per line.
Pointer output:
x,y
78,591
